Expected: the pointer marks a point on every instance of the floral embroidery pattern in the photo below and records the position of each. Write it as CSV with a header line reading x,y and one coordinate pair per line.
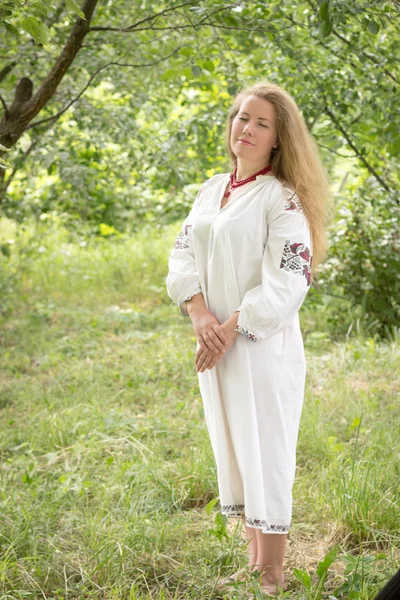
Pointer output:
x,y
244,331
236,510
266,526
182,241
233,510
297,259
292,199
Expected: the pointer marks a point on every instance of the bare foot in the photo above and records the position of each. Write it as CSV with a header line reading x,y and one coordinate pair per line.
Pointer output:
x,y
270,584
240,575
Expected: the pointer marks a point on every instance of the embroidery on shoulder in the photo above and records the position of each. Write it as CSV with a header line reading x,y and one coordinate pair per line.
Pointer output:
x,y
182,241
296,258
292,201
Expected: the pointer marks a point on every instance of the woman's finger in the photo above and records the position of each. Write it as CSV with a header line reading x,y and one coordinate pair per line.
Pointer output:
x,y
210,344
201,360
220,333
207,360
217,342
213,363
201,342
199,355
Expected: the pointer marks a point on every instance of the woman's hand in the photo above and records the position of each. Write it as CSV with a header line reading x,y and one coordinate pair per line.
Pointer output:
x,y
209,332
206,358
206,326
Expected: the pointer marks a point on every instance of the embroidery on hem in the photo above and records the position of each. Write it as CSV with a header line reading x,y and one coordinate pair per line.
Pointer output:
x,y
233,510
296,258
266,526
244,331
292,199
236,510
182,241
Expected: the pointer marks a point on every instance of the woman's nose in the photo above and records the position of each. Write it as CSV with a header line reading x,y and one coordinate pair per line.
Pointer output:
x,y
247,128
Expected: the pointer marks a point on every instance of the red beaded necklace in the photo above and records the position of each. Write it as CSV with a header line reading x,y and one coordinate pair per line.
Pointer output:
x,y
233,183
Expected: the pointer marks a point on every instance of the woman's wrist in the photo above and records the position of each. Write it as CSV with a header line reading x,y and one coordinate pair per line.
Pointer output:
x,y
232,322
195,305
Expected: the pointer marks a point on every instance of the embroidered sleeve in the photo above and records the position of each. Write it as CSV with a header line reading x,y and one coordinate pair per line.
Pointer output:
x,y
286,269
182,280
246,333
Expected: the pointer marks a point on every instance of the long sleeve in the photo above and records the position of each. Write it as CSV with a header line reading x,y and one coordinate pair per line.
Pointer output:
x,y
182,280
286,269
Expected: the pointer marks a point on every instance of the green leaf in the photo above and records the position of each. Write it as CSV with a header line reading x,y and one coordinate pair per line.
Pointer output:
x,y
303,577
10,29
324,565
210,506
209,65
75,8
325,28
373,27
41,6
186,51
44,34
168,75
196,70
324,11
187,72
230,20
39,31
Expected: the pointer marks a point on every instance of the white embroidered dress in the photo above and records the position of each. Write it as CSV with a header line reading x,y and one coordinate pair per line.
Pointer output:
x,y
253,255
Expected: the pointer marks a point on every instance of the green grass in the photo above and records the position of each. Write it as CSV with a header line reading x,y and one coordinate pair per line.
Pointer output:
x,y
106,465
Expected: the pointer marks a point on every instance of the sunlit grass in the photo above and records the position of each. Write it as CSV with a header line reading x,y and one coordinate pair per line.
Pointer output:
x,y
106,465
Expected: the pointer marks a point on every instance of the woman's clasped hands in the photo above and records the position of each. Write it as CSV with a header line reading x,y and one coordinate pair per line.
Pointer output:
x,y
214,339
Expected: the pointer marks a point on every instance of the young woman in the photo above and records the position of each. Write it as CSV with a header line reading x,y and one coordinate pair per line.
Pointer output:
x,y
241,267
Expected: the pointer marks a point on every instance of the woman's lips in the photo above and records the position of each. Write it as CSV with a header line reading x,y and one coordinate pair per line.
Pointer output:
x,y
247,143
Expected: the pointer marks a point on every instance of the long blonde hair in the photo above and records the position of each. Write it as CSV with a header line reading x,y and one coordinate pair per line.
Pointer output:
x,y
296,161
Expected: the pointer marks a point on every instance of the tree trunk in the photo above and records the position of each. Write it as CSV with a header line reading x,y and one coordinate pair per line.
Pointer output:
x,y
26,104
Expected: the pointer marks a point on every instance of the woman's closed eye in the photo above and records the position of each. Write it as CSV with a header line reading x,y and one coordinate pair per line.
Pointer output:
x,y
243,119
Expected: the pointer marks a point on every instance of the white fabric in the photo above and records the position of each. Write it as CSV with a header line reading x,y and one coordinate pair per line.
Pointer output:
x,y
253,255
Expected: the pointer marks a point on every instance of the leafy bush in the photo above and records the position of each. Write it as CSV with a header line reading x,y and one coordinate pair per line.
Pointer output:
x,y
363,260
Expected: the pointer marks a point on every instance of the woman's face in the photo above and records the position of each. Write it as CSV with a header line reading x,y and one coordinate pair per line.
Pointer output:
x,y
254,124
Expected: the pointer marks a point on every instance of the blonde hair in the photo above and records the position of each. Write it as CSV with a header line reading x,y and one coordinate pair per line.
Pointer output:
x,y
295,162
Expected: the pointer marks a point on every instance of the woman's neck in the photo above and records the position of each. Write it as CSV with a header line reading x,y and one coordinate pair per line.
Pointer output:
x,y
246,169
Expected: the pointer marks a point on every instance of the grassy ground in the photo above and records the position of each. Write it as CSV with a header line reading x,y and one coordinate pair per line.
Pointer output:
x,y
106,467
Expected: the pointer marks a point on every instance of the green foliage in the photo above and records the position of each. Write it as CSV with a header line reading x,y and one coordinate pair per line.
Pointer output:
x,y
18,17
321,572
364,256
149,130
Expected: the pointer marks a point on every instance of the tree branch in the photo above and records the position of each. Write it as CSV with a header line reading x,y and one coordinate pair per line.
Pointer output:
x,y
369,167
68,53
335,151
162,13
4,105
350,44
6,70
145,20
110,64
18,163
135,28
343,131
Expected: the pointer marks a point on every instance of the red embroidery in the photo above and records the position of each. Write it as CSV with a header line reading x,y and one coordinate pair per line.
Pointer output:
x,y
182,241
297,258
245,332
292,199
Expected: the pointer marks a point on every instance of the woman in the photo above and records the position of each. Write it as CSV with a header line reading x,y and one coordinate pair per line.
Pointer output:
x,y
240,268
